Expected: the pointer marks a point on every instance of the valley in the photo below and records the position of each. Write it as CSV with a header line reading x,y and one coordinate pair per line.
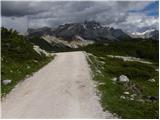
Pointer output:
x,y
53,64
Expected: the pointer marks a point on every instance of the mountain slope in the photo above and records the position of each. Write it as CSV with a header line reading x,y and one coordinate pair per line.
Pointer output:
x,y
90,30
19,58
148,34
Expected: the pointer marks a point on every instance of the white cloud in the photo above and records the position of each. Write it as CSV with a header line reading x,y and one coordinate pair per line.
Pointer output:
x,y
138,22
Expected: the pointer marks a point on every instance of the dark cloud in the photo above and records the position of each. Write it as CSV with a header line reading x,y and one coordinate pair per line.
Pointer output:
x,y
16,9
23,8
52,14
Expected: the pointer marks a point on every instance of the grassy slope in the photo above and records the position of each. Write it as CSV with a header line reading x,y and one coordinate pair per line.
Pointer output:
x,y
138,74
18,59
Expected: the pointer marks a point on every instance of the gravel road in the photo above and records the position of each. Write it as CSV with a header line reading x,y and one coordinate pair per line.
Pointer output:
x,y
61,89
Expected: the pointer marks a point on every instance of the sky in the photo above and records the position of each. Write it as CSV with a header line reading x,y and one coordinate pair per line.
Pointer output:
x,y
130,16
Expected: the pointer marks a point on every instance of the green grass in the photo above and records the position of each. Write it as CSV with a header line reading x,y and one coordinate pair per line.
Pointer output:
x,y
19,59
138,74
145,49
16,71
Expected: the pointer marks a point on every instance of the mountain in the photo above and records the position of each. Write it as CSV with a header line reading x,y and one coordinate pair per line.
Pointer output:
x,y
152,34
88,30
40,31
60,43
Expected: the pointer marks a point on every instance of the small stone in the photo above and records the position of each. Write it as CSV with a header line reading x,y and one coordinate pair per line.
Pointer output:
x,y
101,84
27,76
122,97
6,82
114,79
131,98
28,67
151,80
141,100
98,71
133,95
35,61
126,93
123,78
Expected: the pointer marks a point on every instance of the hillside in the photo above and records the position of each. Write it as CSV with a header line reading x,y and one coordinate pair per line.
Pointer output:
x,y
148,34
19,58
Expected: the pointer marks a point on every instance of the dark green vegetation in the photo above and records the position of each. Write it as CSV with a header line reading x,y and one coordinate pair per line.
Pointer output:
x,y
105,69
18,59
146,49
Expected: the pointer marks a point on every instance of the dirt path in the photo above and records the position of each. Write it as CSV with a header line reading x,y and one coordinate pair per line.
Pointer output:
x,y
62,89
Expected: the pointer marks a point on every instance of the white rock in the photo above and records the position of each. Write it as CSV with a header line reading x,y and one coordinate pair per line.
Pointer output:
x,y
28,67
126,93
133,95
114,79
151,80
35,61
122,97
123,78
6,82
131,98
102,83
98,71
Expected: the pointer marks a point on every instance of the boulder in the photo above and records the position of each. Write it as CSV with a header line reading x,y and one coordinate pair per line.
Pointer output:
x,y
6,82
123,78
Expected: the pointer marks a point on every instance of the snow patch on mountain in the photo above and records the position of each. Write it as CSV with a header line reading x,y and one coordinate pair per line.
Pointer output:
x,y
152,33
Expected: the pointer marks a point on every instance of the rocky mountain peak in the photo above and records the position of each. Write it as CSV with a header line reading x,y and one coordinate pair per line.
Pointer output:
x,y
151,33
90,30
